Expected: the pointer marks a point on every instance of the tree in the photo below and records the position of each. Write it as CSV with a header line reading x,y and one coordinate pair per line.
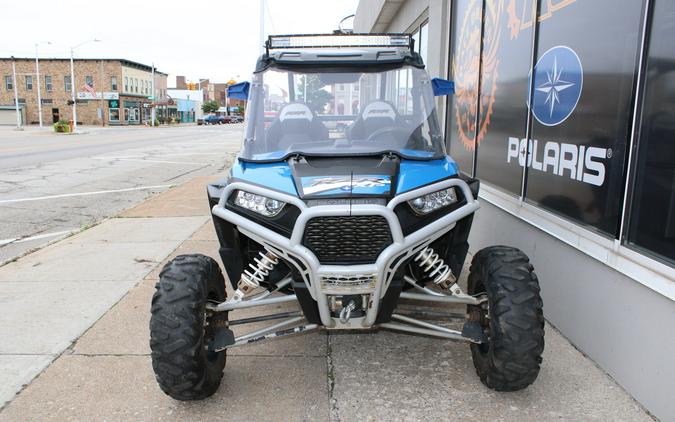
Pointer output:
x,y
210,106
316,98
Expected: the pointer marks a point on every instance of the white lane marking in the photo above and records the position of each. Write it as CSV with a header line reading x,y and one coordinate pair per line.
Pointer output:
x,y
151,161
190,153
67,195
4,242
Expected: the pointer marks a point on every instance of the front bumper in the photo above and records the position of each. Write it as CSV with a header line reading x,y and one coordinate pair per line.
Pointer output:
x,y
314,273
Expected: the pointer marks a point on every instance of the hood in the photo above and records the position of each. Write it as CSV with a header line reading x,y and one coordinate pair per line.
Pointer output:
x,y
353,177
345,177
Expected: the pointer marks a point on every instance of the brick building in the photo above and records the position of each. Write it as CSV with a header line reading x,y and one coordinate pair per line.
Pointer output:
x,y
108,91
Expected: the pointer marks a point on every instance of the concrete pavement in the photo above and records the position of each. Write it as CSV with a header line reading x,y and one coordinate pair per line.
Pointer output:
x,y
106,374
52,185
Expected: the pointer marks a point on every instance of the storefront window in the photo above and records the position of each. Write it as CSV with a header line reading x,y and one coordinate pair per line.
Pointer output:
x,y
464,68
506,62
114,115
652,222
424,41
582,109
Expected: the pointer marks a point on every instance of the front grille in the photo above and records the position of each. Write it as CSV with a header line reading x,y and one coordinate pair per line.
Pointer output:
x,y
347,240
356,281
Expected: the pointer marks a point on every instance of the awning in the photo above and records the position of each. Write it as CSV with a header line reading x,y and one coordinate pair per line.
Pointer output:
x,y
239,91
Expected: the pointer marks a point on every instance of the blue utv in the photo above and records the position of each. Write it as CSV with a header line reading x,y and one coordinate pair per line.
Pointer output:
x,y
344,201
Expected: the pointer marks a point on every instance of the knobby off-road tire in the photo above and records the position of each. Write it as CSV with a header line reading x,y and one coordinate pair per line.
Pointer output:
x,y
184,369
513,322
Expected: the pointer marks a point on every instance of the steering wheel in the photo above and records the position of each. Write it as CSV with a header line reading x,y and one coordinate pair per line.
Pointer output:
x,y
390,130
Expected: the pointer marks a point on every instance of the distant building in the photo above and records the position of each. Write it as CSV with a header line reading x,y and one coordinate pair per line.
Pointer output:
x,y
213,91
185,105
108,91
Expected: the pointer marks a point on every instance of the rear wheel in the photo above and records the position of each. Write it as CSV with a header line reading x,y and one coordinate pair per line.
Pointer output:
x,y
512,318
181,327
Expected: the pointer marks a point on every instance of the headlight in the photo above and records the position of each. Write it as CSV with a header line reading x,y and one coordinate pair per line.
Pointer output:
x,y
433,201
257,203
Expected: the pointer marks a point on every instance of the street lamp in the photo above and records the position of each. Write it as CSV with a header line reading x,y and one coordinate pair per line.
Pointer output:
x,y
37,72
72,81
16,95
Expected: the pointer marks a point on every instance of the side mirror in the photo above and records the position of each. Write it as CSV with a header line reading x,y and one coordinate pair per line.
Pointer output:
x,y
239,91
442,87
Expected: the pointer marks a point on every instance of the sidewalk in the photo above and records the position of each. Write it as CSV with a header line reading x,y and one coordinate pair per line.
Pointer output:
x,y
70,292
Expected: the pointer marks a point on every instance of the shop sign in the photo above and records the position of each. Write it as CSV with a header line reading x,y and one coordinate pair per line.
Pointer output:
x,y
99,95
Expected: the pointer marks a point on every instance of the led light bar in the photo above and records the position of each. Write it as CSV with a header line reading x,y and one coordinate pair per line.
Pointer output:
x,y
340,40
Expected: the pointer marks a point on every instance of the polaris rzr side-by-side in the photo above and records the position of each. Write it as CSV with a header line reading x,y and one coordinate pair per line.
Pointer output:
x,y
344,201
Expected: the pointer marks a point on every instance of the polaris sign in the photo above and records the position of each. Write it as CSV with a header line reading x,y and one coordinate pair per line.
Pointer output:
x,y
574,161
558,82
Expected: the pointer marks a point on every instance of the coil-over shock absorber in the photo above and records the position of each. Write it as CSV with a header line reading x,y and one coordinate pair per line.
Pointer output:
x,y
258,270
441,274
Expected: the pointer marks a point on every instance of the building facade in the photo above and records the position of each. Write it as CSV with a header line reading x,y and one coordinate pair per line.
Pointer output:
x,y
108,91
185,105
566,112
214,91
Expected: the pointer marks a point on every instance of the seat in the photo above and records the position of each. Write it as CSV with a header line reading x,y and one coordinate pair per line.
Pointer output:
x,y
375,115
295,124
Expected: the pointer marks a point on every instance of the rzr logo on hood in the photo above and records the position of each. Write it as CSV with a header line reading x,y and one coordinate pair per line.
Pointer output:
x,y
344,183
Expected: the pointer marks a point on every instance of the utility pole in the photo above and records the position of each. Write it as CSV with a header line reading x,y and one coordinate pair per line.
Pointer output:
x,y
262,25
72,90
16,96
154,98
39,95
72,81
100,101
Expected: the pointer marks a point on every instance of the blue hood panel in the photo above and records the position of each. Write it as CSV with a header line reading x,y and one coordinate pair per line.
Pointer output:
x,y
275,176
413,174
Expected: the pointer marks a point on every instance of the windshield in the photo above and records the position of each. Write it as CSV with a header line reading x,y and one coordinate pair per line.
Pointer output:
x,y
341,113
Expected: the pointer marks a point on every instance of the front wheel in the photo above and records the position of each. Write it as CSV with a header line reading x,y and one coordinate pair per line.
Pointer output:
x,y
181,328
512,318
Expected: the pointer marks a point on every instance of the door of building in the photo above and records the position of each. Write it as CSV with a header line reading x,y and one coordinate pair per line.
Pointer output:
x,y
55,115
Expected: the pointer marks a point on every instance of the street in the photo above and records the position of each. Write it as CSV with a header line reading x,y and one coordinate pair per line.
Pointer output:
x,y
52,185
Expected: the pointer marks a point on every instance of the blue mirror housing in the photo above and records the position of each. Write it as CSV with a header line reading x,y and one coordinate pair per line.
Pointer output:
x,y
442,87
239,91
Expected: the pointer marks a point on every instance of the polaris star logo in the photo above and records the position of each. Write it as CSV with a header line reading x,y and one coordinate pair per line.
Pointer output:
x,y
558,81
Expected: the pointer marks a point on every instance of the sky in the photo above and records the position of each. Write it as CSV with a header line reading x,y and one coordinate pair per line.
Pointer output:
x,y
211,39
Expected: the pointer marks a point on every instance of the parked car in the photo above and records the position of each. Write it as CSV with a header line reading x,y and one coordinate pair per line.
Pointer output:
x,y
212,119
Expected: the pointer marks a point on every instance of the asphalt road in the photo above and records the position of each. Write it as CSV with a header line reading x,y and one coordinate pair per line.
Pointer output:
x,y
52,185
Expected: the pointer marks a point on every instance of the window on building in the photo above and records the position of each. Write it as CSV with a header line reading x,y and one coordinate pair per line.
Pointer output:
x,y
88,80
48,83
126,84
113,83
29,82
652,215
424,40
66,84
136,85
114,115
8,83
